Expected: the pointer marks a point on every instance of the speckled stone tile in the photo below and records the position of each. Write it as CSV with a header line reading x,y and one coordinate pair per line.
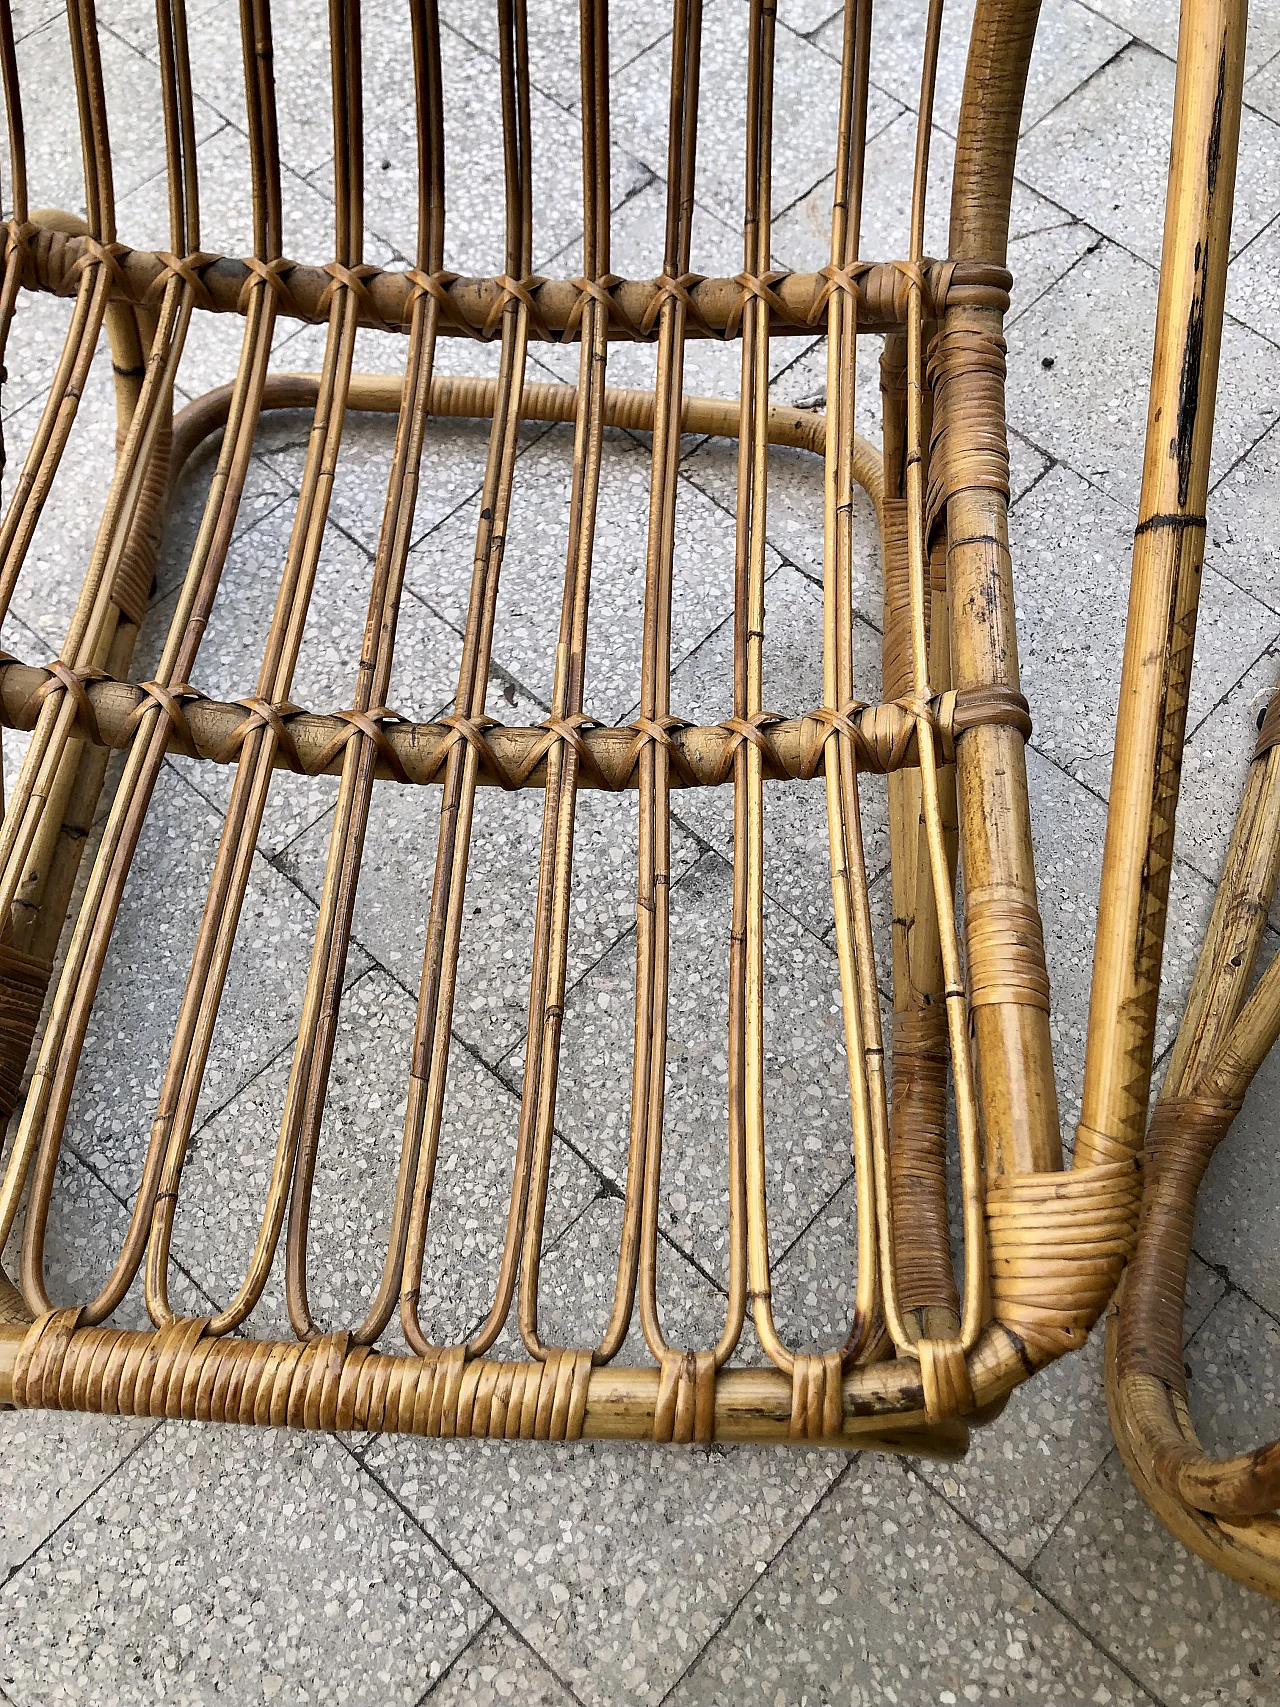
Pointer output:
x,y
794,507
1234,1380
616,1563
497,938
1088,407
133,20
1071,43
865,1605
533,571
805,17
1243,539
1179,1626
1072,550
222,1564
1262,81
127,1047
229,1165
36,339
453,458
801,383
813,1284
1156,22
1115,177
806,1077
1068,823
498,1667
28,15
474,229
84,1234
806,101
49,583
131,83
423,677
50,1463
1252,295
553,39
797,849
265,488
1026,1469
802,234
300,55
226,204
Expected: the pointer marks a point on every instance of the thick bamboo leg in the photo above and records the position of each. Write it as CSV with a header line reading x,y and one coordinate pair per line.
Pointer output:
x,y
1010,1034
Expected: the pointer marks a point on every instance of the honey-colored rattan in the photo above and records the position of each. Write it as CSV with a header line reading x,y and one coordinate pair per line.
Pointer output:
x,y
932,1342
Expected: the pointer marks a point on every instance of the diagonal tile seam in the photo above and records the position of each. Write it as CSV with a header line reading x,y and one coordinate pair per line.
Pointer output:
x,y
1051,462
1101,12
909,1470
457,1658
498,1621
73,1511
357,1453
1099,238
852,1459
1084,83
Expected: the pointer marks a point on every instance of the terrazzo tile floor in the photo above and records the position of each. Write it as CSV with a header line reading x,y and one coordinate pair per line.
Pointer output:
x,y
149,1562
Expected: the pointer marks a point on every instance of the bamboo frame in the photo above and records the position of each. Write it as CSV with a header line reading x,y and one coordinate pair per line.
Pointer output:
x,y
927,1350
1222,1508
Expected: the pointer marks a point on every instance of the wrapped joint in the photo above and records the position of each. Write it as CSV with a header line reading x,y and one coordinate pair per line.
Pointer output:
x,y
817,1395
944,1375
1005,943
325,1383
685,1410
1184,1133
918,1160
23,982
1056,1245
969,448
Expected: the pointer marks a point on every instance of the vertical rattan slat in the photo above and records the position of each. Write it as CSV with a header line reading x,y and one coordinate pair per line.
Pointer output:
x,y
935,1337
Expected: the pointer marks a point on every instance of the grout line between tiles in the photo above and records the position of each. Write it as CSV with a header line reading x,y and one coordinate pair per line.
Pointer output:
x,y
1039,1589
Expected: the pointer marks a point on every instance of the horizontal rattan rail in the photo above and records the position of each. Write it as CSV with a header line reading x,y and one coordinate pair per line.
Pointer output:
x,y
51,259
934,1338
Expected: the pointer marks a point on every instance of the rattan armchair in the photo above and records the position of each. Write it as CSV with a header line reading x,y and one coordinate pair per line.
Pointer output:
x,y
1224,1508
935,1339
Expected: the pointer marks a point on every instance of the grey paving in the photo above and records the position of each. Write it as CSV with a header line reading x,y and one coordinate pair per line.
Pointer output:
x,y
156,1562
251,1585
